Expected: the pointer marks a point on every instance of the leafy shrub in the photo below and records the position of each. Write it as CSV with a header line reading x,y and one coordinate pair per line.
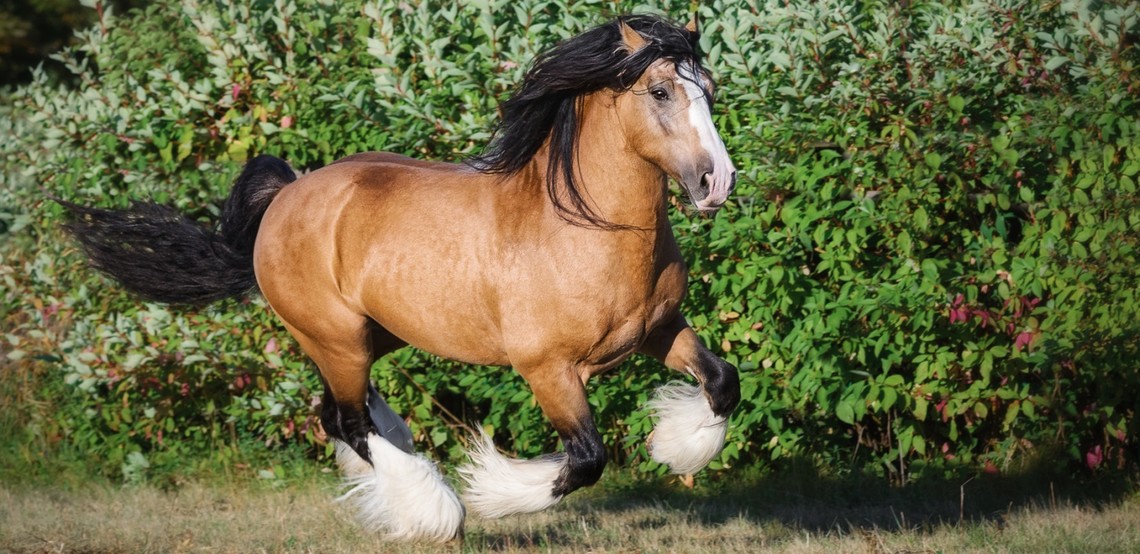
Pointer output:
x,y
930,266
940,282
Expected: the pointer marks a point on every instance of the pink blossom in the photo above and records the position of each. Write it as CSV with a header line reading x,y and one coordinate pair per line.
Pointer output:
x,y
235,91
958,312
271,346
940,407
1094,457
286,122
1023,340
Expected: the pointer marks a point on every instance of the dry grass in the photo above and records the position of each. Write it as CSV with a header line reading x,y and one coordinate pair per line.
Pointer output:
x,y
614,518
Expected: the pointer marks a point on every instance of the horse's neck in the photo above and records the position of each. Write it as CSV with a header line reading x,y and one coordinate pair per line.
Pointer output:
x,y
619,186
623,190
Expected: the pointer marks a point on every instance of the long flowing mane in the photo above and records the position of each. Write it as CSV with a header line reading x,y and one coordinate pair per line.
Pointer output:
x,y
549,99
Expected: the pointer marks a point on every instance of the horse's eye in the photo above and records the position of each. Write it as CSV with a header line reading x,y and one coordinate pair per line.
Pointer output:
x,y
659,94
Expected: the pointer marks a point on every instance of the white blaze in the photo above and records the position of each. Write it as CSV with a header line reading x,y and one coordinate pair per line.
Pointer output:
x,y
700,117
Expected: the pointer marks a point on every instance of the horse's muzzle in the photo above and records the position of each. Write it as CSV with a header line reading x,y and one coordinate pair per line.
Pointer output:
x,y
713,189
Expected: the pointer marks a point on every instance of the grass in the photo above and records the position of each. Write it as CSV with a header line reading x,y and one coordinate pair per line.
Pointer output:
x,y
52,499
796,513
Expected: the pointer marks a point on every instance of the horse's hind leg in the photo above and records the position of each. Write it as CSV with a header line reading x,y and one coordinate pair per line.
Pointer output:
x,y
691,420
393,489
499,486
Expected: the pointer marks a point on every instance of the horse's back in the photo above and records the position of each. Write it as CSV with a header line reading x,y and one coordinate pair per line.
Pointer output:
x,y
395,159
403,242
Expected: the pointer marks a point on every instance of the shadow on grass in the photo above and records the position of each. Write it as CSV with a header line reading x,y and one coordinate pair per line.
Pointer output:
x,y
808,501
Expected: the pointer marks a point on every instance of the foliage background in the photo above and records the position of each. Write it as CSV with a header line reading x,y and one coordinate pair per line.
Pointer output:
x,y
929,269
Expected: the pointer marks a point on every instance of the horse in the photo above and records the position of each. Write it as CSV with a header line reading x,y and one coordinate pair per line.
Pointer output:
x,y
550,253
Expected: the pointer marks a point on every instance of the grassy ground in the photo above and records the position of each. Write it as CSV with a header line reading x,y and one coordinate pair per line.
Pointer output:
x,y
789,514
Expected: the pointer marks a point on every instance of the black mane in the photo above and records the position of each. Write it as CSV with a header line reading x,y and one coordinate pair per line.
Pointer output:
x,y
549,99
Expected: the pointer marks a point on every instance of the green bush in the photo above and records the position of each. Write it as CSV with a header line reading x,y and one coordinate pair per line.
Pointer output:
x,y
929,269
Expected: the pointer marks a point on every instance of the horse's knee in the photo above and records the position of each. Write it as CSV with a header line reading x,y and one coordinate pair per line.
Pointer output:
x,y
721,382
585,460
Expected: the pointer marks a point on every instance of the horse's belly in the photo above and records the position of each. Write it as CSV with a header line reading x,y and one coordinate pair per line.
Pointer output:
x,y
435,301
446,330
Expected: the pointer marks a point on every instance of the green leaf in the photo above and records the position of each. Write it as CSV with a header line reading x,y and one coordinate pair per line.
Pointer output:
x,y
779,59
920,407
889,398
929,269
845,412
776,273
1055,62
957,104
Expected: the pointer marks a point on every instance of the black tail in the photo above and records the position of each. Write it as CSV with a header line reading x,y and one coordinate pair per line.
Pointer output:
x,y
161,255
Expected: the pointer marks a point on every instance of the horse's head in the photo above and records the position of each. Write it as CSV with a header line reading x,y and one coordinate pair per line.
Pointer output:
x,y
667,117
662,97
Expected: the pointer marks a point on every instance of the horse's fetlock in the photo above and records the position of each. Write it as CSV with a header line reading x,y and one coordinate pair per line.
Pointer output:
x,y
586,459
722,384
347,424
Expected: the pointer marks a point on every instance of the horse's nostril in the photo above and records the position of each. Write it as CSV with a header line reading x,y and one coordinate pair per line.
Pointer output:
x,y
706,181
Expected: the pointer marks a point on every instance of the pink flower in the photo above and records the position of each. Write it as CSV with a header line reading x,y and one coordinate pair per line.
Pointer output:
x,y
1023,340
1094,457
990,468
286,122
958,312
940,407
235,90
271,346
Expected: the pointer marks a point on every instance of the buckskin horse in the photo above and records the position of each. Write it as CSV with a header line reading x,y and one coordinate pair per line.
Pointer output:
x,y
551,253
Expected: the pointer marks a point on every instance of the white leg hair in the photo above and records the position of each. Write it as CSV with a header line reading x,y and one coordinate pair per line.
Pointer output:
x,y
688,434
400,494
498,486
350,463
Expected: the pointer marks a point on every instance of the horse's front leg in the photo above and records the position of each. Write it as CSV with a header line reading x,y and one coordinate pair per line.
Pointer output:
x,y
499,486
691,420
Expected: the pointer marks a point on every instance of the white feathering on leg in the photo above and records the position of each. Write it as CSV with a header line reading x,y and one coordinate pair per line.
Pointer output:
x,y
498,486
350,463
688,434
404,495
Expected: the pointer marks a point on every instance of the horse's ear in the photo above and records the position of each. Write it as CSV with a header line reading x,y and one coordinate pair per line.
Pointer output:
x,y
693,32
632,39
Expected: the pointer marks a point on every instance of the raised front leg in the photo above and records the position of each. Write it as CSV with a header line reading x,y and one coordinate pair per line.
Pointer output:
x,y
691,420
499,486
